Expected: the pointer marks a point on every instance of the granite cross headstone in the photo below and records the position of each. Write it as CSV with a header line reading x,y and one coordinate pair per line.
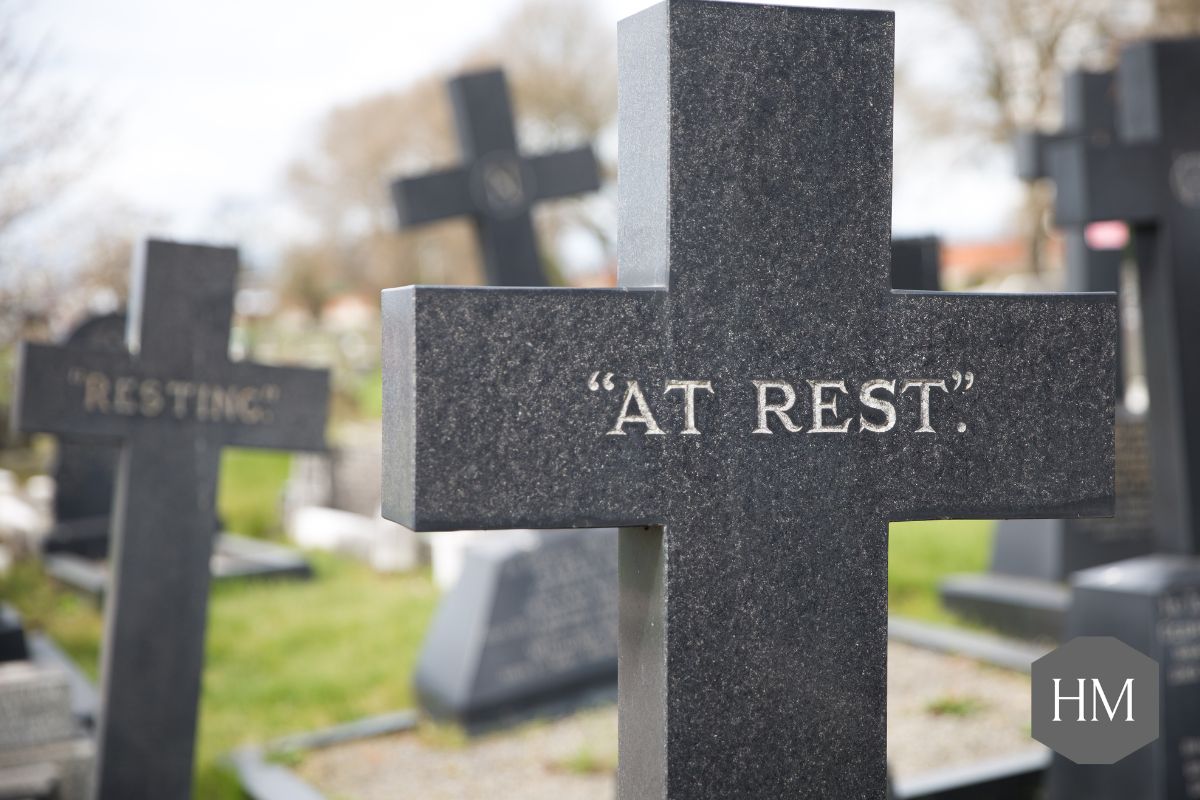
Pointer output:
x,y
1150,175
496,185
171,402
753,405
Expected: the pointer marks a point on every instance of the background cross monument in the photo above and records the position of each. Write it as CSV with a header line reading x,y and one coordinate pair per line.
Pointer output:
x,y
172,402
719,405
496,185
1150,174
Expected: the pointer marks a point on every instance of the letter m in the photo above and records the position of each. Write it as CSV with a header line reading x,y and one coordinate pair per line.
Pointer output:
x,y
1099,697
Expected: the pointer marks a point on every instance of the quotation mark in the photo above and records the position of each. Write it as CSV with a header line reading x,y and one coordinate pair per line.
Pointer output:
x,y
607,383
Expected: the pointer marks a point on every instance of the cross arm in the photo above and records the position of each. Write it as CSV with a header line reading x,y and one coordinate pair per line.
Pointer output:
x,y
428,198
51,391
103,395
279,408
565,173
490,418
1095,183
1030,433
1031,147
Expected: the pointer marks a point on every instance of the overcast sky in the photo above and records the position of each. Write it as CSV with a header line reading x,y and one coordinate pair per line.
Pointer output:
x,y
209,101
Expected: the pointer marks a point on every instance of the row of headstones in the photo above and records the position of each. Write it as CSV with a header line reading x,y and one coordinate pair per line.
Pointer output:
x,y
143,405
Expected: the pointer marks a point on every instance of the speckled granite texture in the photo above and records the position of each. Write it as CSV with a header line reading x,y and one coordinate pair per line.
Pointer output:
x,y
756,170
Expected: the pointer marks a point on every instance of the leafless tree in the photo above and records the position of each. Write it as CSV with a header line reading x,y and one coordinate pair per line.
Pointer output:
x,y
40,127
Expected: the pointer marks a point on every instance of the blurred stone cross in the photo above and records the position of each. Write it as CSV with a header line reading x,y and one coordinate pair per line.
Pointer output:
x,y
753,405
496,185
172,401
1148,173
1089,118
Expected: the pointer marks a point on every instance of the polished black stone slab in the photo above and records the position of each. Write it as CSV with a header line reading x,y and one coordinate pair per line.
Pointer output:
x,y
170,402
730,406
496,185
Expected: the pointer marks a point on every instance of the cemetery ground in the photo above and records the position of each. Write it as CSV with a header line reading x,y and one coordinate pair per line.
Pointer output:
x,y
286,657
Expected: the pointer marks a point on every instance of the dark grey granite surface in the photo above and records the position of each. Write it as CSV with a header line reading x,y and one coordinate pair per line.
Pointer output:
x,y
496,186
527,630
171,402
756,155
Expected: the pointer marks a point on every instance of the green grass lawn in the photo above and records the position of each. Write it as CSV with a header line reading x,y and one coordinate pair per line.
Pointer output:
x,y
250,491
285,657
921,553
282,657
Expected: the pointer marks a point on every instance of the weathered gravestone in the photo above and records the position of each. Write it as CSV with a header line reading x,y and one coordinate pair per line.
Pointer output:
x,y
496,185
172,402
917,264
1024,593
752,406
43,751
1150,175
526,630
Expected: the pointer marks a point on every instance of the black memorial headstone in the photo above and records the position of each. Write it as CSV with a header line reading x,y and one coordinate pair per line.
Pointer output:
x,y
171,401
1024,592
1150,175
527,630
496,185
752,406
84,471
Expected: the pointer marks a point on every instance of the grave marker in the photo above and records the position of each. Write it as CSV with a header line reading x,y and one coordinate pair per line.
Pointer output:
x,y
754,405
172,402
529,629
496,185
1147,175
